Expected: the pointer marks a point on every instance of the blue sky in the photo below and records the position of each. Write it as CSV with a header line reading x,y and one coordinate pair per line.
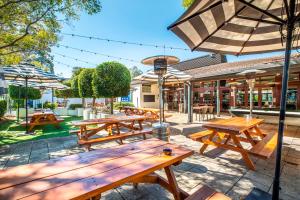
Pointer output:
x,y
143,21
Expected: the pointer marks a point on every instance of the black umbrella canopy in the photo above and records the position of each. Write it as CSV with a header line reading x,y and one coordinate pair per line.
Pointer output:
x,y
236,26
245,27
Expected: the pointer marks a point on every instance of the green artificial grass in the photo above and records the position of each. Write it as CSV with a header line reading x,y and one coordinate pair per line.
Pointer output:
x,y
11,132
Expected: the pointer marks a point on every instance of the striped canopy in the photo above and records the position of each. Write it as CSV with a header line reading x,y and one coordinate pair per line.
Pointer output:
x,y
51,85
235,26
172,75
28,71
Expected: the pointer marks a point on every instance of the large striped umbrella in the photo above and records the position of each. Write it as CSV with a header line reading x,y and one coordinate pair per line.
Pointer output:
x,y
245,27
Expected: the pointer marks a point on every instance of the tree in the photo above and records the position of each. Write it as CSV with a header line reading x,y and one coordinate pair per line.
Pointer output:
x,y
85,88
33,25
110,80
135,71
66,93
187,3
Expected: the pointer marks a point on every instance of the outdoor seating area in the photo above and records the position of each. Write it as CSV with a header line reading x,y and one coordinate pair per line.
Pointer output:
x,y
114,107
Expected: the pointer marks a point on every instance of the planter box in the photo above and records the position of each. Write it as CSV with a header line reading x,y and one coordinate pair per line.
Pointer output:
x,y
79,112
23,111
72,112
86,113
61,111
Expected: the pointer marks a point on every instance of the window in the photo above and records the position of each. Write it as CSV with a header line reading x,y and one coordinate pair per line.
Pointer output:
x,y
146,88
149,98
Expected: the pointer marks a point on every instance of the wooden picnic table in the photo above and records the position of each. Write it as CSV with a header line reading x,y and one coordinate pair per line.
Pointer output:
x,y
229,133
87,175
151,112
42,118
116,122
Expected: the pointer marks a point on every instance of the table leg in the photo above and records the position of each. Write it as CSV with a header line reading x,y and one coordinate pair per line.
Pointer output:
x,y
249,138
243,152
172,183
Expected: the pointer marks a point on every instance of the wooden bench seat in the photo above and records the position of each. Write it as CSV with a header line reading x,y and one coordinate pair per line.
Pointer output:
x,y
200,135
76,131
207,193
23,123
115,137
265,147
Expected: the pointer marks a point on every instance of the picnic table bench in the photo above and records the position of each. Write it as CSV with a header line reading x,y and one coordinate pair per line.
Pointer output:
x,y
84,133
88,175
42,118
151,113
229,133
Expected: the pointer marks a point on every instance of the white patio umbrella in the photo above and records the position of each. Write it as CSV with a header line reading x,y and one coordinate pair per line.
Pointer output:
x,y
28,73
245,27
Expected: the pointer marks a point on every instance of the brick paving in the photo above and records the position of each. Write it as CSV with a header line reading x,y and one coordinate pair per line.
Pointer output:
x,y
222,170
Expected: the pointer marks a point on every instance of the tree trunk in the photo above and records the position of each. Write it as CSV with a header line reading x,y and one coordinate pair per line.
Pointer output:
x,y
94,102
112,106
83,102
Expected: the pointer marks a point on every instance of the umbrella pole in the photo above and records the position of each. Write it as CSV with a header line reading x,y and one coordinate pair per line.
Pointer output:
x,y
251,101
26,102
163,100
276,182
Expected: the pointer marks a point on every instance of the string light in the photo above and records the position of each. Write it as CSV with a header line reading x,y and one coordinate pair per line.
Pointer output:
x,y
61,63
126,42
97,53
76,59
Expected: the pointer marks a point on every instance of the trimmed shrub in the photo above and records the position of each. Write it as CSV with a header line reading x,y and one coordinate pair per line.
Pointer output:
x,y
32,93
3,105
119,105
74,106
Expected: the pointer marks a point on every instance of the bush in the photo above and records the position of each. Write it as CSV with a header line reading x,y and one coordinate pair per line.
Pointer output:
x,y
32,93
74,106
117,106
49,105
3,105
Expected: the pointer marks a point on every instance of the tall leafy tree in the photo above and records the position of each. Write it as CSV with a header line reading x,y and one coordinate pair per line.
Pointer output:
x,y
85,88
110,80
187,3
33,25
135,71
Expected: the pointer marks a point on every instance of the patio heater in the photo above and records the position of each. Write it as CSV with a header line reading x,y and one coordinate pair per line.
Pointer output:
x,y
160,64
233,86
250,79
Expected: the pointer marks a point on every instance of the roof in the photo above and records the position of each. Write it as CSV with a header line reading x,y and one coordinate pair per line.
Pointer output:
x,y
232,68
202,61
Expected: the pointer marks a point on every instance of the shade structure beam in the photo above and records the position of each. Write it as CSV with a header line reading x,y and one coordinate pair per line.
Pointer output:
x,y
265,12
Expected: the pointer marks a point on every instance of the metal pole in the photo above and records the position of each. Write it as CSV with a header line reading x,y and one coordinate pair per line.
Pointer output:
x,y
163,100
290,28
189,107
160,98
52,97
26,102
251,100
218,98
19,97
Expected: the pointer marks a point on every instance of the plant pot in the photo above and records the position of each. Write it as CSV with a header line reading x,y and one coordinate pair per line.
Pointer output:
x,y
92,116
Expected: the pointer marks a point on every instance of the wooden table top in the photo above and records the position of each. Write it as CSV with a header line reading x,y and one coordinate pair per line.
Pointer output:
x,y
233,125
113,119
42,113
88,174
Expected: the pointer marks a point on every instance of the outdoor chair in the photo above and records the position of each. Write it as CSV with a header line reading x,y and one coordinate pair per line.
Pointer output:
x,y
211,112
203,112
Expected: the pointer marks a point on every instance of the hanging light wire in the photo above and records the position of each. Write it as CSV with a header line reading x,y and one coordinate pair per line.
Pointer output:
x,y
76,59
126,42
97,53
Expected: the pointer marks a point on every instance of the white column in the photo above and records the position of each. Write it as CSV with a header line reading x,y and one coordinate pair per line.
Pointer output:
x,y
189,107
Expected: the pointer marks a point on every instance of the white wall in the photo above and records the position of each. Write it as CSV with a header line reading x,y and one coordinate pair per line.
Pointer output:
x,y
138,96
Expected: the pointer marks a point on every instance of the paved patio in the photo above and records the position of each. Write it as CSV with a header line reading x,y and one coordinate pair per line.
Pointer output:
x,y
222,170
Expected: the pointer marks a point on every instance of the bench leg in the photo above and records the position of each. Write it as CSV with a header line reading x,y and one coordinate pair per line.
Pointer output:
x,y
96,197
204,146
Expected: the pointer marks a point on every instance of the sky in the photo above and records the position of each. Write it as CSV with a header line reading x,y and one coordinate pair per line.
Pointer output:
x,y
140,21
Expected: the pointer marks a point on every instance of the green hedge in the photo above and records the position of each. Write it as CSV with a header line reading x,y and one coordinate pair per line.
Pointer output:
x,y
74,106
32,93
119,105
3,105
50,105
